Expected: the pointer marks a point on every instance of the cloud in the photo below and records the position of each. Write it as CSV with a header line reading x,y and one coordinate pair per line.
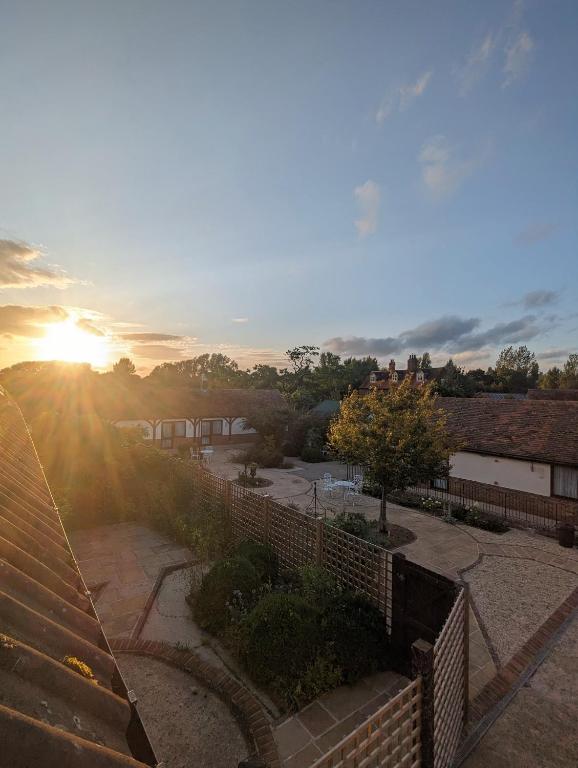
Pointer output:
x,y
158,352
476,64
519,52
442,170
240,320
368,197
149,337
19,268
359,345
87,326
534,233
541,298
402,97
438,332
17,320
556,354
449,334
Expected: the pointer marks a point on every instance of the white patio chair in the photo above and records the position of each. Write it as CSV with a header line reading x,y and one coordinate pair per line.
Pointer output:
x,y
328,484
357,489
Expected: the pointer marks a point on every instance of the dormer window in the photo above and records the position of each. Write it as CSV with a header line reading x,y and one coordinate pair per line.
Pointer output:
x,y
372,378
394,376
420,376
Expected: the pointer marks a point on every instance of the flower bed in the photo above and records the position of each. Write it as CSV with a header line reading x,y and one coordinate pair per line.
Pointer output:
x,y
296,632
469,515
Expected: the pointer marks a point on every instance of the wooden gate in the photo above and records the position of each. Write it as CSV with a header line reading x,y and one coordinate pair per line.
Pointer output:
x,y
421,603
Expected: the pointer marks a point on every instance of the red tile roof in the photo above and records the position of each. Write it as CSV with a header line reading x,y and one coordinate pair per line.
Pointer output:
x,y
50,715
535,430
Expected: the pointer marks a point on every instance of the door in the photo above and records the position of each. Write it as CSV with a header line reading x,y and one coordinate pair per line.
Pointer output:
x,y
209,429
170,430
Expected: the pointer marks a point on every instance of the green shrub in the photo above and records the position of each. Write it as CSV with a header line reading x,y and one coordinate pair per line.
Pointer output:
x,y
318,587
227,592
354,634
263,558
322,675
281,641
352,522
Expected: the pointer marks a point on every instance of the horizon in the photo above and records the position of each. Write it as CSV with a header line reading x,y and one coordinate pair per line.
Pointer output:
x,y
244,178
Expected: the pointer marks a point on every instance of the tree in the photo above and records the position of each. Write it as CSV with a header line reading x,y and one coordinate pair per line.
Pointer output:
x,y
517,369
264,376
400,438
425,362
453,382
125,367
551,379
569,377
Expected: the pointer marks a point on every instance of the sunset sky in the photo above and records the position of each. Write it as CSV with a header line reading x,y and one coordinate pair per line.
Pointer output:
x,y
371,177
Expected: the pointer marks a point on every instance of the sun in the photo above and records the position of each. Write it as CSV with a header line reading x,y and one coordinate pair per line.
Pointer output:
x,y
69,343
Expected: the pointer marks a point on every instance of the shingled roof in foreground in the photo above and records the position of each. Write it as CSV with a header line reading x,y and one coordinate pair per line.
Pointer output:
x,y
50,715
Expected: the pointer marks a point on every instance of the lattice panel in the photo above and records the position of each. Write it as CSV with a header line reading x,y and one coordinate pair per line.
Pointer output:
x,y
293,535
247,515
388,739
449,689
359,565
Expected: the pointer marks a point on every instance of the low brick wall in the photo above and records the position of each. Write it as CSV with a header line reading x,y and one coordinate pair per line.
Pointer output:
x,y
239,699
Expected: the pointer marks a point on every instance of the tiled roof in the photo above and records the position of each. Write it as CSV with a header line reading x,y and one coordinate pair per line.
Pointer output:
x,y
163,403
50,715
538,430
553,394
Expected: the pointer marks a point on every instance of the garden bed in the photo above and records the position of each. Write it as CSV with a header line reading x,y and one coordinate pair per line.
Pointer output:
x,y
469,515
357,524
296,632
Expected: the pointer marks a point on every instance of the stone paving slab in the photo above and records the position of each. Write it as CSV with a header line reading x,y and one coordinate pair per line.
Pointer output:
x,y
305,736
128,557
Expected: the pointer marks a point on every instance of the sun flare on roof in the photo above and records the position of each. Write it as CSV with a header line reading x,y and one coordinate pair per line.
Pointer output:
x,y
69,343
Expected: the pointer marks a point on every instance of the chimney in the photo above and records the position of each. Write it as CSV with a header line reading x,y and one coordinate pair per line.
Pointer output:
x,y
412,364
392,365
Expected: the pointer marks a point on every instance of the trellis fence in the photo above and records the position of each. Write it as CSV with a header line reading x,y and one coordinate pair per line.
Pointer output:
x,y
422,725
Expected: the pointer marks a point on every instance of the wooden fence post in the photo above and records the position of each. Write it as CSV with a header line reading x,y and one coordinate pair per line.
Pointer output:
x,y
422,663
398,601
466,641
319,525
266,518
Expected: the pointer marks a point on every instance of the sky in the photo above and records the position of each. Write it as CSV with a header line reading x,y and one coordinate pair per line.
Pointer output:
x,y
370,177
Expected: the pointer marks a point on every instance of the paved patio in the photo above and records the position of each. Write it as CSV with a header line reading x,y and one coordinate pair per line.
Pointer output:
x,y
306,736
120,564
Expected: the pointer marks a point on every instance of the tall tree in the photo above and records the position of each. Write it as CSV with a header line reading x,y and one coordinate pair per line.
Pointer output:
x,y
400,438
124,367
453,382
425,362
551,379
569,377
517,369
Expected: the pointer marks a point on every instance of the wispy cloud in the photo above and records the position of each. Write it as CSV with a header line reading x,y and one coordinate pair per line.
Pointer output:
x,y
158,352
21,267
540,298
368,197
518,53
534,233
240,320
444,168
476,64
150,337
400,98
17,320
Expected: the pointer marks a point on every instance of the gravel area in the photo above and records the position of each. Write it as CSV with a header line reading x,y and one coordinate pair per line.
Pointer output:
x,y
538,729
188,725
514,597
518,538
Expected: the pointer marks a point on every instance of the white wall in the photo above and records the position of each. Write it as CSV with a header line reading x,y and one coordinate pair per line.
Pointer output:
x,y
529,476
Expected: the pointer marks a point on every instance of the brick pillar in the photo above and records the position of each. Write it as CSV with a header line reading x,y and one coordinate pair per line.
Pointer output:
x,y
266,518
422,663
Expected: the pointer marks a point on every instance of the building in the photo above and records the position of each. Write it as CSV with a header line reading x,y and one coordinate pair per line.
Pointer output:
x,y
62,697
525,446
176,417
383,380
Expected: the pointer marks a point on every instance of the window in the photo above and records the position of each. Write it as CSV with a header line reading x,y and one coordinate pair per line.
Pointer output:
x,y
420,376
180,429
372,378
565,482
209,428
394,376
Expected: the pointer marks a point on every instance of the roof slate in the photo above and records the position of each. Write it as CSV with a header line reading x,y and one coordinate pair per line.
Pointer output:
x,y
535,430
51,715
